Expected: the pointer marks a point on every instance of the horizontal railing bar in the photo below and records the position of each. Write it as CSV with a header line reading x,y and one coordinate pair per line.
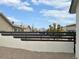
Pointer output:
x,y
32,35
37,32
45,34
47,40
46,37
41,35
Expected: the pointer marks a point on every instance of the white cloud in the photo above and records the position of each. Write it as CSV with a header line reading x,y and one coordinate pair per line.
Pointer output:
x,y
59,13
62,22
60,17
25,8
10,1
56,13
13,19
17,4
55,3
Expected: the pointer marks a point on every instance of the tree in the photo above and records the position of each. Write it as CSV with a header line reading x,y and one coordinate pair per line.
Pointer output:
x,y
50,29
58,28
53,28
62,30
34,29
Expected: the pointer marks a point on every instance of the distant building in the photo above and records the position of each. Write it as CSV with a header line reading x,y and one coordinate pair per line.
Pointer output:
x,y
42,30
27,28
22,28
17,28
5,24
70,28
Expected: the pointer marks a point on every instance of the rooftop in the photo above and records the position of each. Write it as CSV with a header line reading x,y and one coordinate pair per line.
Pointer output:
x,y
71,25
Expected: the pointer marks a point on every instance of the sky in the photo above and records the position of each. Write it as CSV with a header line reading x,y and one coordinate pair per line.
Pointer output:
x,y
38,13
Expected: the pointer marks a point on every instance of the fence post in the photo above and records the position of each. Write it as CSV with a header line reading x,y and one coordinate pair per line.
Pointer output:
x,y
74,43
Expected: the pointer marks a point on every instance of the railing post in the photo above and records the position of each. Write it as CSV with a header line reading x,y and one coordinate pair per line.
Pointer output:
x,y
74,43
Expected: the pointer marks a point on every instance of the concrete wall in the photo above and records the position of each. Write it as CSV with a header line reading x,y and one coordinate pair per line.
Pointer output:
x,y
4,26
77,36
66,47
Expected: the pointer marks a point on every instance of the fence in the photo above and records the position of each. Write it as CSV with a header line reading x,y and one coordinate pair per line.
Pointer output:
x,y
44,36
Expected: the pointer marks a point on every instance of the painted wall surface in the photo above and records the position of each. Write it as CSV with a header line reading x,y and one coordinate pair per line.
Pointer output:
x,y
72,28
66,47
77,28
4,26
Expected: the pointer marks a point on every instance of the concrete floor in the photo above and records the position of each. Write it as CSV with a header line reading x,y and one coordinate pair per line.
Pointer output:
x,y
12,53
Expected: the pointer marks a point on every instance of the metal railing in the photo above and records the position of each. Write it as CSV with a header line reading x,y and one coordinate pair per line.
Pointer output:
x,y
34,36
44,36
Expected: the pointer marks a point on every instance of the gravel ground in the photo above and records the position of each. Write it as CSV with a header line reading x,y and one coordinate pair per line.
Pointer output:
x,y
13,53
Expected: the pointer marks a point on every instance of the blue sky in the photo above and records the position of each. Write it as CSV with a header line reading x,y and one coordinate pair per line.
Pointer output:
x,y
38,13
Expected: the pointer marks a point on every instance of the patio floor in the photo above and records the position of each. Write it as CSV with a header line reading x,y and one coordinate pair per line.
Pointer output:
x,y
12,53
